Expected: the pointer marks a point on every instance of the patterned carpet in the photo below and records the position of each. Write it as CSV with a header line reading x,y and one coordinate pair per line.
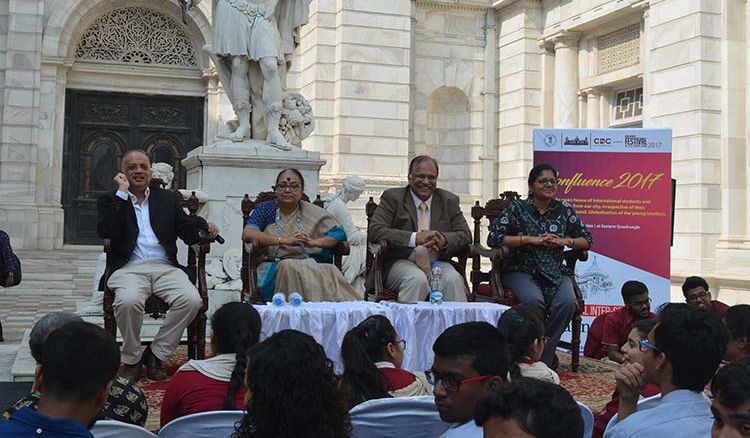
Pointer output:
x,y
592,385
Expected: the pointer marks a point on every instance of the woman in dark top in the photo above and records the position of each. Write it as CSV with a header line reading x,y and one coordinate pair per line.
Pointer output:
x,y
537,230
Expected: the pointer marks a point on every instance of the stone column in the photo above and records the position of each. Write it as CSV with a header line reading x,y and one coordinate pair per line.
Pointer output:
x,y
548,84
593,108
747,120
566,80
489,185
582,109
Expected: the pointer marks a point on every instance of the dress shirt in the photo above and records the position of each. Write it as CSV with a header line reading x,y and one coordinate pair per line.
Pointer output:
x,y
417,203
681,413
465,430
147,246
28,422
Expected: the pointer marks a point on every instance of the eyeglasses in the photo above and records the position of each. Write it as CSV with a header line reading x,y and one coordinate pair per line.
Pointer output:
x,y
423,177
284,187
546,181
402,343
451,384
697,297
641,303
645,345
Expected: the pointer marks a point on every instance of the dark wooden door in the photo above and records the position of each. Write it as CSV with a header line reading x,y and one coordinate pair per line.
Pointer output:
x,y
100,128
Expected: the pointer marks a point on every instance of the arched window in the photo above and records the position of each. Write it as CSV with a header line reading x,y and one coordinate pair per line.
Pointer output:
x,y
448,137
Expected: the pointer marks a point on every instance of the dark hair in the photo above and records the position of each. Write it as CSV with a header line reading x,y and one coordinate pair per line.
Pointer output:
x,y
294,171
737,321
692,283
540,408
479,341
363,345
694,341
236,327
631,289
731,385
420,159
78,360
519,326
294,391
644,327
537,170
46,325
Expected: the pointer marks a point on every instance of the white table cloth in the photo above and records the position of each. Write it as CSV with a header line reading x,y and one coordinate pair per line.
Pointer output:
x,y
420,324
326,322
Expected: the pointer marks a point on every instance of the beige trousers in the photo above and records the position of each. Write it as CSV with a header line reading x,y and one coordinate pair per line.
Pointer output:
x,y
412,285
132,285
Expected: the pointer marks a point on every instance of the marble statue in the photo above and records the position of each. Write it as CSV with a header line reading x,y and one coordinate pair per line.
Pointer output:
x,y
252,48
353,265
164,173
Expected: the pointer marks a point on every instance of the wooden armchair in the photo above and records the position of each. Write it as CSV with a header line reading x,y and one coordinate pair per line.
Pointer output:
x,y
156,307
488,286
376,255
251,258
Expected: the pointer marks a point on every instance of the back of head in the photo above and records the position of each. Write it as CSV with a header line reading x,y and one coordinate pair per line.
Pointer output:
x,y
541,409
294,390
644,327
362,347
631,289
519,326
737,321
731,385
694,342
78,360
46,325
236,327
478,341
692,283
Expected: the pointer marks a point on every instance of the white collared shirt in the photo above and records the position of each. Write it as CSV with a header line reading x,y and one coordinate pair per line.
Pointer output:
x,y
417,203
147,246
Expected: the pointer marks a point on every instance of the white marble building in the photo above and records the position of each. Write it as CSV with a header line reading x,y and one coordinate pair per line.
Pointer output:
x,y
464,80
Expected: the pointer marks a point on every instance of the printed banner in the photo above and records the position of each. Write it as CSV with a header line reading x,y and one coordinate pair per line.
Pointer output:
x,y
619,182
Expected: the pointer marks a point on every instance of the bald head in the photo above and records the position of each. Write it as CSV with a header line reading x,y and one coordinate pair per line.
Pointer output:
x,y
131,153
137,168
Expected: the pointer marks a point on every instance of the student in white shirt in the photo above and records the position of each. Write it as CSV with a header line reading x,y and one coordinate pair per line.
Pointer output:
x,y
470,360
523,331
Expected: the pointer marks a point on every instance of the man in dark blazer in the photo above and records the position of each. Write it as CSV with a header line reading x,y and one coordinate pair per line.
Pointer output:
x,y
143,224
420,214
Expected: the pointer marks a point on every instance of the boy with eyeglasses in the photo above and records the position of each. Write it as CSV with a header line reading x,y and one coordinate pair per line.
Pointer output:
x,y
680,356
695,290
618,324
731,400
470,360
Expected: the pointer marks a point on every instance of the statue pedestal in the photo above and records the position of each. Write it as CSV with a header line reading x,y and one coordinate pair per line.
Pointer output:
x,y
228,170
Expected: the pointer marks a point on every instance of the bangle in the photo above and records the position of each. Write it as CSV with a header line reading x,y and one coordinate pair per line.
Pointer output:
x,y
279,241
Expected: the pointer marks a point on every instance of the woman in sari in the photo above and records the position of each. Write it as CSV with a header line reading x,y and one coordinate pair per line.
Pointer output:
x,y
296,240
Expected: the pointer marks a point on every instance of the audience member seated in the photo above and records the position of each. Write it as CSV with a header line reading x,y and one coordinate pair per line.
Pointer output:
x,y
619,323
681,356
372,354
537,230
529,408
143,224
695,290
79,361
216,383
421,223
296,238
731,400
292,391
470,360
737,321
593,347
523,332
632,353
126,401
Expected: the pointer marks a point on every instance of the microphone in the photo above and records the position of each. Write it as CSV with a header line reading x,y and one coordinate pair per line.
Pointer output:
x,y
218,239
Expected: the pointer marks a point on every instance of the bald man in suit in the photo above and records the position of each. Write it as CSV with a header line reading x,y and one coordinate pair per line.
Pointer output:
x,y
417,215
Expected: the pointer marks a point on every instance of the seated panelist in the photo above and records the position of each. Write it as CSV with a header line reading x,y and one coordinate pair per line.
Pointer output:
x,y
296,239
143,224
421,223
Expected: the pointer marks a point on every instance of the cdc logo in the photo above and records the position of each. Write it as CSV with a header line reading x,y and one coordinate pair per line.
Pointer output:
x,y
602,140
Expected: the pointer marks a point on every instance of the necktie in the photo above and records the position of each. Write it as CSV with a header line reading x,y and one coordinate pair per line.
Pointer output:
x,y
424,218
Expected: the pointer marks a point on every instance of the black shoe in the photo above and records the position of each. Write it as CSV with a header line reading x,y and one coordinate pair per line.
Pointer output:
x,y
154,367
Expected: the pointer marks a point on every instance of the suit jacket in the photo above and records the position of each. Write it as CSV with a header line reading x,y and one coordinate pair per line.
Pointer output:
x,y
396,218
169,221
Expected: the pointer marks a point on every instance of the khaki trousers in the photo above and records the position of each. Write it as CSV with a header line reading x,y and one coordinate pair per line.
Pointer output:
x,y
132,285
412,285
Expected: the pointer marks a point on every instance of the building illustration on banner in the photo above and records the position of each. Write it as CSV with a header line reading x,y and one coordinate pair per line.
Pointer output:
x,y
595,283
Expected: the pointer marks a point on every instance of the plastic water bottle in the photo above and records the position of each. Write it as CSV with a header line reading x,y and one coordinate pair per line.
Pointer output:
x,y
295,299
436,295
278,300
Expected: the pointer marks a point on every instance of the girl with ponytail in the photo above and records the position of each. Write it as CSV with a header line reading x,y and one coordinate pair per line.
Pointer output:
x,y
372,354
523,331
216,383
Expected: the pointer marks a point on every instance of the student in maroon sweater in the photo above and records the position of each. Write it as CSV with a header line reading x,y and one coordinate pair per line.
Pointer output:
x,y
372,354
216,383
695,290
